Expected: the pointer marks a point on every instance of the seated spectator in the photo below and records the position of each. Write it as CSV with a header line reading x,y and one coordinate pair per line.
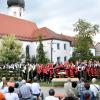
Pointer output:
x,y
80,86
19,81
36,88
28,83
4,88
87,94
68,87
3,80
25,92
11,95
51,95
11,82
94,87
74,89
2,97
16,88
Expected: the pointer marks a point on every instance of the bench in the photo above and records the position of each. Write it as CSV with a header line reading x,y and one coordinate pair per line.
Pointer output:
x,y
63,80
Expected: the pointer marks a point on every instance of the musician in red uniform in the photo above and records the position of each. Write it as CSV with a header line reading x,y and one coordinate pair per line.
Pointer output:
x,y
67,70
51,72
72,70
76,71
45,73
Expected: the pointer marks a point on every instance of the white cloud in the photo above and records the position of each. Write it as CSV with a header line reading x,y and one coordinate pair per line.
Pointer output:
x,y
59,15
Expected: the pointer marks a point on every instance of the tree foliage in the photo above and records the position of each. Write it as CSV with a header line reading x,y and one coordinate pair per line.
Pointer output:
x,y
84,38
10,50
41,57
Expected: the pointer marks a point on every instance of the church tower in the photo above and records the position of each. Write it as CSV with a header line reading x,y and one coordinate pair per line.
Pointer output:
x,y
16,8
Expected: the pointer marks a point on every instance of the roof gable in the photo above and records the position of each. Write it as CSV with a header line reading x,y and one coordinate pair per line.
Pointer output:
x,y
22,29
46,34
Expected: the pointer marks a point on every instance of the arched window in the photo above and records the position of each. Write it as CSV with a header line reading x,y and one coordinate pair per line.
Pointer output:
x,y
27,51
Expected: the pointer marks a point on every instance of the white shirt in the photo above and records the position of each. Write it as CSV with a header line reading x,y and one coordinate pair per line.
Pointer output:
x,y
4,90
11,96
94,88
51,98
28,84
35,88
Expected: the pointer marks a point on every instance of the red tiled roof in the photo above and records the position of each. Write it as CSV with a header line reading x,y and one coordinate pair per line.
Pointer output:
x,y
25,30
22,29
49,34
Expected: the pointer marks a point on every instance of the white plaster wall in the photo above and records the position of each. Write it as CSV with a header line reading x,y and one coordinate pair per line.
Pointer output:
x,y
47,48
61,52
55,53
16,9
97,50
92,51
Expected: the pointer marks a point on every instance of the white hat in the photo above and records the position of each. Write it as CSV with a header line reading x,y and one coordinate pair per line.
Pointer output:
x,y
94,80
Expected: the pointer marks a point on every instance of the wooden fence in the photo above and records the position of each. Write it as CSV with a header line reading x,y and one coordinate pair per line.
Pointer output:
x,y
10,73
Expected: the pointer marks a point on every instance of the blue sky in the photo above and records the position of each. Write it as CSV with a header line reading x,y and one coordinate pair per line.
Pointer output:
x,y
59,15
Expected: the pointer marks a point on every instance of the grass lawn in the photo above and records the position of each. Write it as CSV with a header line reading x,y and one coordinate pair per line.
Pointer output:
x,y
46,84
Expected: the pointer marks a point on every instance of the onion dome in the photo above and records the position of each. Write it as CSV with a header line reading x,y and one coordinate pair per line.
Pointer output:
x,y
20,3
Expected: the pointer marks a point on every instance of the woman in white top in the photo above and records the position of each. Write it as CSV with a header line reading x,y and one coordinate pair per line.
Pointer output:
x,y
4,88
11,95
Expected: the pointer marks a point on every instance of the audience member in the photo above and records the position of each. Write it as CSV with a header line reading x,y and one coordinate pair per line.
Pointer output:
x,y
4,88
87,94
36,88
11,82
68,87
1,83
11,95
25,92
19,81
2,97
51,95
94,87
16,88
28,83
74,88
80,86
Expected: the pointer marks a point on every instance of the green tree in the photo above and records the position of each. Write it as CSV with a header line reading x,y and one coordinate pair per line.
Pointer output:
x,y
84,38
10,50
41,57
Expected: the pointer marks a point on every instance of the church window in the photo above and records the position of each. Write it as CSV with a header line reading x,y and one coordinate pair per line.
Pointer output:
x,y
14,13
65,47
58,46
58,59
27,51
